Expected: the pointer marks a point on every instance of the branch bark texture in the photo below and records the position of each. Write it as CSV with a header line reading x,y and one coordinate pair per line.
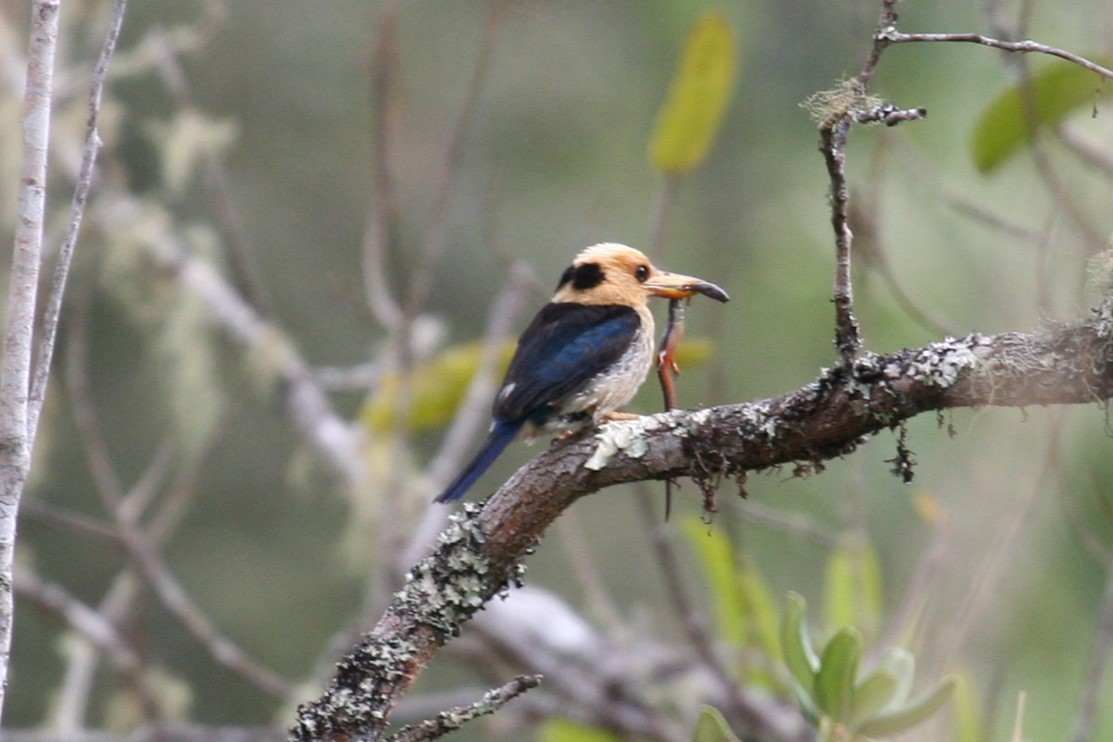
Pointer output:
x,y
15,373
480,554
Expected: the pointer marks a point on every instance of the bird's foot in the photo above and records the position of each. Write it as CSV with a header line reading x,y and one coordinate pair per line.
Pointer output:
x,y
610,417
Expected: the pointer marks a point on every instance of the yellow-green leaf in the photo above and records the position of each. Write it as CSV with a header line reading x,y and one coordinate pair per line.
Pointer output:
x,y
796,645
694,352
873,694
903,719
1053,93
698,97
713,727
761,610
838,670
437,388
853,588
438,385
563,730
717,559
969,724
902,664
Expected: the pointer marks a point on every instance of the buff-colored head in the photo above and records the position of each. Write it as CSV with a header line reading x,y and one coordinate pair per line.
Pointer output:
x,y
609,273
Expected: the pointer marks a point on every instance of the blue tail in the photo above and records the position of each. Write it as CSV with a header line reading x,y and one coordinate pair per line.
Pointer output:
x,y
500,436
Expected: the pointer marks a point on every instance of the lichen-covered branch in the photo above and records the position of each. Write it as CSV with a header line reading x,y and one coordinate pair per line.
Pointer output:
x,y
448,721
482,550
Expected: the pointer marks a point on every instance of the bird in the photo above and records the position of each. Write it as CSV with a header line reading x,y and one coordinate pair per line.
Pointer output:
x,y
584,355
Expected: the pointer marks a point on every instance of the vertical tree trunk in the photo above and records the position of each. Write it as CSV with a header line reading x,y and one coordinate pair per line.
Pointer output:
x,y
15,372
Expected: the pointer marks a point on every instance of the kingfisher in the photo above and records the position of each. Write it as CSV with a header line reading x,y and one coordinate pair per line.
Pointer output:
x,y
585,354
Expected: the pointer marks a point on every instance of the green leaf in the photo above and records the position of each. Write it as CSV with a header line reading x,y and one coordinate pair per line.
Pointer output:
x,y
906,717
563,730
698,97
838,669
712,727
1053,93
716,556
969,724
694,352
902,664
872,695
761,610
853,588
796,646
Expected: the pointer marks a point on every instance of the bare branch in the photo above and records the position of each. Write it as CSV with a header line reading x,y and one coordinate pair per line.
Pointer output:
x,y
893,36
833,135
178,601
1085,721
335,440
739,708
77,212
449,721
153,733
90,625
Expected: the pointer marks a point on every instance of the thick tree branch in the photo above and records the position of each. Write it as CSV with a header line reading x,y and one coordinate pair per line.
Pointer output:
x,y
480,553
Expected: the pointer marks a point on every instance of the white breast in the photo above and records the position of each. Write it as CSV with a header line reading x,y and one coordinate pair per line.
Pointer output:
x,y
617,385
609,390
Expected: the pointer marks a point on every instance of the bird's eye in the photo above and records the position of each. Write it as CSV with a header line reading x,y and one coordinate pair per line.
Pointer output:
x,y
641,273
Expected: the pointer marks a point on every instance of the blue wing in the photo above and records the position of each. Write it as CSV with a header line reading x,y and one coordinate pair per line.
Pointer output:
x,y
501,434
565,346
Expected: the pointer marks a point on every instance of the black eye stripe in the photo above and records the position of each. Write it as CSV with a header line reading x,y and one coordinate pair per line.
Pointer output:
x,y
566,277
586,276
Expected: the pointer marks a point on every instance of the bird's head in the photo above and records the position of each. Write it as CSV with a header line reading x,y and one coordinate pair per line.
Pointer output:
x,y
609,273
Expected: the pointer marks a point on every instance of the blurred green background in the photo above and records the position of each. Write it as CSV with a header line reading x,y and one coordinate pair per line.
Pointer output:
x,y
555,159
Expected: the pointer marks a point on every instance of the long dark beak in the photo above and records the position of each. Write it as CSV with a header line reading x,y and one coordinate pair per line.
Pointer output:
x,y
676,286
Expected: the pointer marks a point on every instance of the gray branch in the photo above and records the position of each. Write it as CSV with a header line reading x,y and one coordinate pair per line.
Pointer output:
x,y
480,553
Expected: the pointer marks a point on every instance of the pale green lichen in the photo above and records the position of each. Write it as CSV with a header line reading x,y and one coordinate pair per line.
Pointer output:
x,y
625,436
447,587
758,422
942,363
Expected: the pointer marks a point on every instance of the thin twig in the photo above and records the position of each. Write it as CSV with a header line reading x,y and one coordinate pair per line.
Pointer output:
x,y
77,212
577,550
983,585
69,520
91,625
601,679
434,243
436,232
75,376
335,440
160,732
922,170
797,525
1089,153
382,209
893,36
1085,721
119,600
740,708
177,600
219,190
832,144
453,719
